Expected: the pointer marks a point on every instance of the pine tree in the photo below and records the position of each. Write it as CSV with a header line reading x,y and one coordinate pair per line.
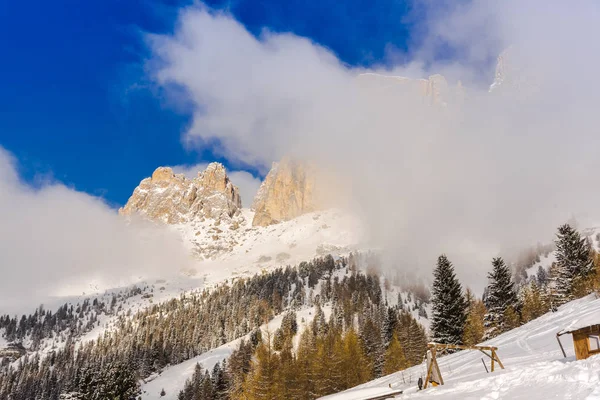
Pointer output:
x,y
533,302
574,263
448,304
260,383
306,361
541,276
355,365
329,366
501,296
389,326
395,359
474,329
370,335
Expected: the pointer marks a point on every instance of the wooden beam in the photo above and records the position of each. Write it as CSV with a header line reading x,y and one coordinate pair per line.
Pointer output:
x,y
437,367
483,351
560,344
443,346
433,347
498,359
429,370
386,396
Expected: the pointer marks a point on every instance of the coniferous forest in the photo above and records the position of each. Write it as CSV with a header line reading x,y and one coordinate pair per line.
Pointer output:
x,y
354,333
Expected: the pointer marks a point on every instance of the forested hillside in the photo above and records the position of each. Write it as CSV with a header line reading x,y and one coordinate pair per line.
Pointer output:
x,y
179,329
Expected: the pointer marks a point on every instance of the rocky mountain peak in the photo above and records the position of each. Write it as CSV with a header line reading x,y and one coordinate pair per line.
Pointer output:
x,y
287,192
172,198
163,174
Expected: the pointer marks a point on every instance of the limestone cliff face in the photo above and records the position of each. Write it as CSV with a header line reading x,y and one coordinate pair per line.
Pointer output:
x,y
287,192
173,198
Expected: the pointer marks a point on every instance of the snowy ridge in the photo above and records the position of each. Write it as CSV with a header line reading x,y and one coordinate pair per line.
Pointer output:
x,y
289,242
534,366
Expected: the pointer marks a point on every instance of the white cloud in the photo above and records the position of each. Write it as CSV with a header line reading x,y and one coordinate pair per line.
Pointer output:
x,y
55,241
247,183
487,174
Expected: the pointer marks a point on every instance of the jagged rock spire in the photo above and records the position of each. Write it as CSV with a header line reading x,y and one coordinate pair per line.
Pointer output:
x,y
173,198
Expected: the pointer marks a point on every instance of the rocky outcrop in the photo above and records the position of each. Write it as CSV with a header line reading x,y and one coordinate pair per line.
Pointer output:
x,y
287,192
173,198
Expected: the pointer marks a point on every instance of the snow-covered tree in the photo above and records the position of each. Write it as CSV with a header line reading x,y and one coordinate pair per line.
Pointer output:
x,y
448,304
573,263
501,299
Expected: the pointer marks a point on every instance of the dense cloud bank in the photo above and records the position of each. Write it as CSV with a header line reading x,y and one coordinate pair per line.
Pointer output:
x,y
55,241
473,175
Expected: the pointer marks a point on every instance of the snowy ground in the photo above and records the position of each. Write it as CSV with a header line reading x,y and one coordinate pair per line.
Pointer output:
x,y
288,242
534,366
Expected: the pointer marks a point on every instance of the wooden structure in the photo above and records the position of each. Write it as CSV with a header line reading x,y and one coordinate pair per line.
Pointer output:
x,y
586,341
390,395
434,375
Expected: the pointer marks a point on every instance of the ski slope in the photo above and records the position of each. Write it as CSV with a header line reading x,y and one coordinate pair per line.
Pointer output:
x,y
535,368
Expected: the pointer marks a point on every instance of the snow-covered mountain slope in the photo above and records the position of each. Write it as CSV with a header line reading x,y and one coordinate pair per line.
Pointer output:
x,y
313,234
235,251
534,365
173,378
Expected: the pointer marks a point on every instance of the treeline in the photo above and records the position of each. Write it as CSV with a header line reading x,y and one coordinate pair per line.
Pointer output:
x,y
363,338
68,321
177,330
459,318
330,357
43,324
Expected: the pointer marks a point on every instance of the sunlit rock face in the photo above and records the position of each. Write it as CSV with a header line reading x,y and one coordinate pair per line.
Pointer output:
x,y
287,192
172,198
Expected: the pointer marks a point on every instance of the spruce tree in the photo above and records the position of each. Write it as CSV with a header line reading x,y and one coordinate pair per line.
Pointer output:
x,y
501,298
574,263
448,304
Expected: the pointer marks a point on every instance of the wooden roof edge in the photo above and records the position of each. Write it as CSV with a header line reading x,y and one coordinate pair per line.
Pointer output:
x,y
592,327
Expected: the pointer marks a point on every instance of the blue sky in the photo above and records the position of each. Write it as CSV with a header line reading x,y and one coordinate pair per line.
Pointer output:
x,y
76,104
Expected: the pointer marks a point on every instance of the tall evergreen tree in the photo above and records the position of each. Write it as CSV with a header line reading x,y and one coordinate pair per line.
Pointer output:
x,y
574,263
501,298
448,304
